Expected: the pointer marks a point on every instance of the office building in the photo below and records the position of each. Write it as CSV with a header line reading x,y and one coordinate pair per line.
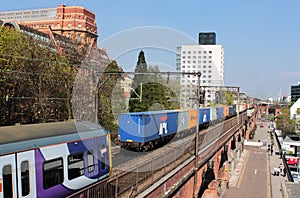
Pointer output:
x,y
206,59
295,92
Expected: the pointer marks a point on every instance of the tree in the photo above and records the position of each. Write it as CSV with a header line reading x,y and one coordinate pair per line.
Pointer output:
x,y
36,81
283,121
141,67
111,99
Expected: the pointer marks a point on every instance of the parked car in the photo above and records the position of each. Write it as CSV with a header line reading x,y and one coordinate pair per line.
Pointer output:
x,y
291,160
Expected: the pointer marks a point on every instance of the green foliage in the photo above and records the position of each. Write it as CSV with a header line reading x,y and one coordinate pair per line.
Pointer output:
x,y
35,82
140,68
150,93
111,100
155,97
283,121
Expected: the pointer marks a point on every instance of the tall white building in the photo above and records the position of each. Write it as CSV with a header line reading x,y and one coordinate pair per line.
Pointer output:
x,y
206,59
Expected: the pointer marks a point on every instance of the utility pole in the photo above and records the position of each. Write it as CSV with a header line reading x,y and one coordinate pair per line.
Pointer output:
x,y
197,138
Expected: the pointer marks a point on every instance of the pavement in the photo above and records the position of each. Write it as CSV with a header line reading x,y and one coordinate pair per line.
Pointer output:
x,y
252,176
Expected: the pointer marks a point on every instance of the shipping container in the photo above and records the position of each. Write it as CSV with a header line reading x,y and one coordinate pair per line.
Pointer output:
x,y
245,106
147,126
204,115
226,110
232,109
183,117
213,113
192,121
220,112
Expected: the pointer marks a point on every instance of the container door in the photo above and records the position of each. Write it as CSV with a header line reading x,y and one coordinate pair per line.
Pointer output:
x,y
26,174
8,182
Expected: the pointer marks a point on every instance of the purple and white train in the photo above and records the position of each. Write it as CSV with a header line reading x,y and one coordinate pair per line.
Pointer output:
x,y
52,159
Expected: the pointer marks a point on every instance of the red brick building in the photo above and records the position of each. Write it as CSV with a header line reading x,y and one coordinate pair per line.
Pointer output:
x,y
74,22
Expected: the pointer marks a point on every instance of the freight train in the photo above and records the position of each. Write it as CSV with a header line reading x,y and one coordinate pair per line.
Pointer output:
x,y
145,131
52,159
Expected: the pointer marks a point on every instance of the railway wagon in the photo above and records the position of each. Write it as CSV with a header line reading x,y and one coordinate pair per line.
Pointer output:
x,y
52,159
217,112
147,129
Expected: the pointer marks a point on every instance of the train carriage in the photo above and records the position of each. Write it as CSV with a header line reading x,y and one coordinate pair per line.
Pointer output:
x,y
52,159
147,129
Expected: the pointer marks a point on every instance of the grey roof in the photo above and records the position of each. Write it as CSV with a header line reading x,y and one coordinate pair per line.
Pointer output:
x,y
23,137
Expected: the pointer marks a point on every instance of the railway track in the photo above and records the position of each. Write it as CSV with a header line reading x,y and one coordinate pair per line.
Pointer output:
x,y
142,169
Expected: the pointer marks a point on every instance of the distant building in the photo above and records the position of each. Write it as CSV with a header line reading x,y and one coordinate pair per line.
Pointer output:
x,y
206,59
295,92
295,114
74,22
207,38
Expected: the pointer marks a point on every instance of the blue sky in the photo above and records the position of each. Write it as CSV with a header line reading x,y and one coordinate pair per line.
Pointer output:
x,y
261,38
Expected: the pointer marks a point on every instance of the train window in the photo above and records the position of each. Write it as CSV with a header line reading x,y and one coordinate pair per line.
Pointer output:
x,y
7,181
75,165
91,163
25,178
103,156
53,173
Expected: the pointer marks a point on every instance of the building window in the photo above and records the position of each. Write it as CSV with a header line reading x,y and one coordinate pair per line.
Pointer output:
x,y
79,25
69,25
78,38
210,52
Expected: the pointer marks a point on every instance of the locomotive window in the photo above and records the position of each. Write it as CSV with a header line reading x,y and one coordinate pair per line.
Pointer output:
x,y
7,181
53,173
91,163
25,178
75,165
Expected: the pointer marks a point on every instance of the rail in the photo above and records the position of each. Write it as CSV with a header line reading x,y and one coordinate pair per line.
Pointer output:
x,y
140,177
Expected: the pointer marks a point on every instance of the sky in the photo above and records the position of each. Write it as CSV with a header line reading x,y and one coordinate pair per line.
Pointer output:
x,y
260,37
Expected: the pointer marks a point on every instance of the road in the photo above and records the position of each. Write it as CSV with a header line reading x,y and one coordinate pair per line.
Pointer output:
x,y
253,181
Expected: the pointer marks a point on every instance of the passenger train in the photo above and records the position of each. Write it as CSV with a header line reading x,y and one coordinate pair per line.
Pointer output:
x,y
144,131
52,159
